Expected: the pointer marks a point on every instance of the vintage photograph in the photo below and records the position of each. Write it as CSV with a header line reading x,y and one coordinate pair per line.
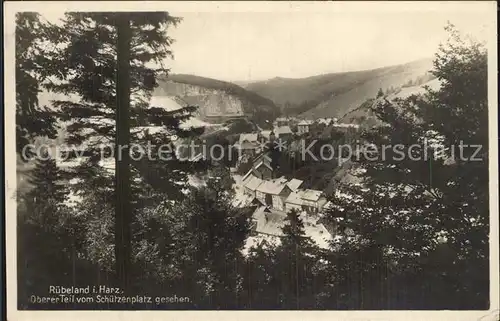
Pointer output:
x,y
324,157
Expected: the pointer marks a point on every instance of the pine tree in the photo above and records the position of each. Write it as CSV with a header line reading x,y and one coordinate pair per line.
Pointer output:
x,y
87,68
206,237
261,288
285,276
123,213
44,241
298,259
420,223
48,193
32,120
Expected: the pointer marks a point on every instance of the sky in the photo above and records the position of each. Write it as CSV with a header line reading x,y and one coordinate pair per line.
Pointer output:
x,y
254,46
242,42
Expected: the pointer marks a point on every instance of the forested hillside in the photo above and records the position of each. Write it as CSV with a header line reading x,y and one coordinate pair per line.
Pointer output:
x,y
331,95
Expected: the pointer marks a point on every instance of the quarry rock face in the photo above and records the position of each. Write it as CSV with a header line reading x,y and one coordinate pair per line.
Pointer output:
x,y
214,104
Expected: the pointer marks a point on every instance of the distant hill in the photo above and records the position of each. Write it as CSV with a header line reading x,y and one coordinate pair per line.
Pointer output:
x,y
332,95
218,100
362,114
242,83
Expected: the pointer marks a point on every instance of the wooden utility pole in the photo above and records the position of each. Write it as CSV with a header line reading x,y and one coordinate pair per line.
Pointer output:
x,y
123,211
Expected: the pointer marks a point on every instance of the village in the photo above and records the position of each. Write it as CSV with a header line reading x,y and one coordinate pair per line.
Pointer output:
x,y
271,195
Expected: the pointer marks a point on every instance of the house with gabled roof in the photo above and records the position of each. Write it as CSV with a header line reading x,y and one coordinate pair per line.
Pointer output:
x,y
251,183
294,201
263,170
262,167
248,144
309,200
303,126
313,200
283,132
269,224
273,193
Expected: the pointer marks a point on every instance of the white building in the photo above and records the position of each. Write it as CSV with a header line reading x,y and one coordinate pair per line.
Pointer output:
x,y
251,183
309,200
303,126
268,226
294,201
281,121
273,193
283,132
248,144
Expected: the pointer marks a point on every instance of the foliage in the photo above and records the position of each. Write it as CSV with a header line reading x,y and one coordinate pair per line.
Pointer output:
x,y
425,219
198,246
32,120
412,235
419,80
49,235
332,95
82,67
288,275
380,93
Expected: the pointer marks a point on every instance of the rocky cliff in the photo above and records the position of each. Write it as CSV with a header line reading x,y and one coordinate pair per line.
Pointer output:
x,y
217,100
211,102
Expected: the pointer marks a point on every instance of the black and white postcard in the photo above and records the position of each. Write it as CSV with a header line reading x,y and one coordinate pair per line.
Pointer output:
x,y
226,160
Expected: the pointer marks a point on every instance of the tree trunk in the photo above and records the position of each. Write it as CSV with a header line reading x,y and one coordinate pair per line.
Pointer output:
x,y
123,212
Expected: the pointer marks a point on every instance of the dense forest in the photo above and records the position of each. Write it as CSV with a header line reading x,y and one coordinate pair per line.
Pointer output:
x,y
413,235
